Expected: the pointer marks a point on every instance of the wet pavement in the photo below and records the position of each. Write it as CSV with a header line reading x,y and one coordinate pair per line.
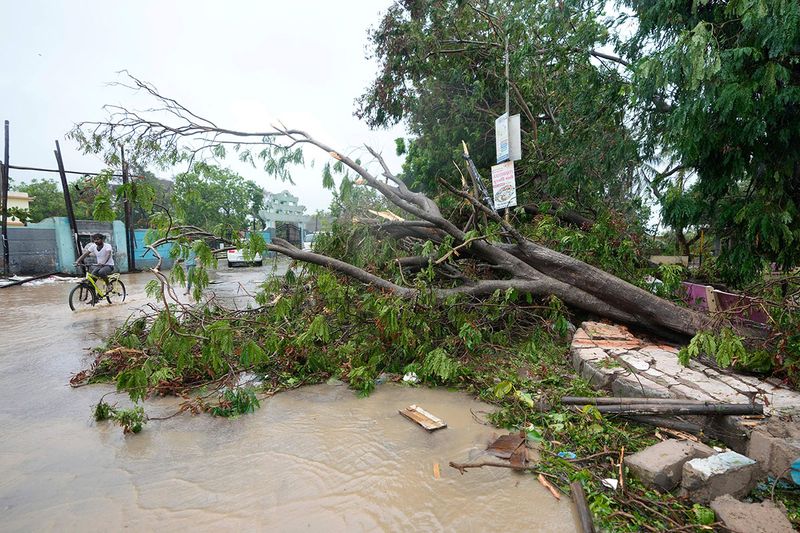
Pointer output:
x,y
315,459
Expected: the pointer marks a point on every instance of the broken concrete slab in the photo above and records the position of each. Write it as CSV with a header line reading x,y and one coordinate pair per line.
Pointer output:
x,y
637,385
725,473
688,393
661,466
634,363
740,517
774,448
611,358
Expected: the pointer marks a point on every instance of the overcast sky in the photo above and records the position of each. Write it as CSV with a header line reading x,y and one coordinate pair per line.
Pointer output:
x,y
243,64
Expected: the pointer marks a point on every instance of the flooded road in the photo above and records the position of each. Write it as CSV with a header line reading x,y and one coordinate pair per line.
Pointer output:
x,y
315,459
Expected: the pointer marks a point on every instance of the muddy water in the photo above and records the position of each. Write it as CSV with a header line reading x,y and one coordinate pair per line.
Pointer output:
x,y
316,459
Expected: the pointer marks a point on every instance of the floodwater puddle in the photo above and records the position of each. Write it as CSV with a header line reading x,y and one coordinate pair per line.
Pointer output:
x,y
314,459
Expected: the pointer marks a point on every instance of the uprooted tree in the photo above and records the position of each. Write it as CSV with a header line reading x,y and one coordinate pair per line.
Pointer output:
x,y
513,261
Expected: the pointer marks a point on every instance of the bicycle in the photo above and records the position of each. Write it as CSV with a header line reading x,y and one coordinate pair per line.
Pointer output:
x,y
87,293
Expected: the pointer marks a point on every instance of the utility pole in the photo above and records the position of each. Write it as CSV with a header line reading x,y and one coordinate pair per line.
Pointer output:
x,y
126,205
508,80
4,186
508,116
70,213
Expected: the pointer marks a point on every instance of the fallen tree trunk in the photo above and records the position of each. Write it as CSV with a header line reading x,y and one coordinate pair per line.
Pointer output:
x,y
516,262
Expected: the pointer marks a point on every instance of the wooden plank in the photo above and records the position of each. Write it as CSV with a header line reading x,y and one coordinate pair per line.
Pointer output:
x,y
423,418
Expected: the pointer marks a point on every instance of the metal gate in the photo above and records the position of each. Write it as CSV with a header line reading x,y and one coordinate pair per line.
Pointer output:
x,y
288,232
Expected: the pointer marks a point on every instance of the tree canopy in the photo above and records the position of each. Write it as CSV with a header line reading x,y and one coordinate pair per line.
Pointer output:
x,y
442,72
48,200
700,104
728,74
213,197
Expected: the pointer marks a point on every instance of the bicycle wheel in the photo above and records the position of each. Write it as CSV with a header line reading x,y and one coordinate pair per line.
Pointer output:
x,y
116,293
81,296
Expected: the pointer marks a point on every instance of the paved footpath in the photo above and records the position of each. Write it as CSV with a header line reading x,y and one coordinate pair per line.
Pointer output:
x,y
612,358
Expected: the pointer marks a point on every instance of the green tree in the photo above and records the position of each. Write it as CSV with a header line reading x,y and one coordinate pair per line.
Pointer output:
x,y
145,180
718,89
442,72
212,197
48,199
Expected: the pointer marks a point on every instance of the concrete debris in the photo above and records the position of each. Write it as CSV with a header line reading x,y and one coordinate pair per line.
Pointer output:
x,y
660,466
725,473
739,517
611,358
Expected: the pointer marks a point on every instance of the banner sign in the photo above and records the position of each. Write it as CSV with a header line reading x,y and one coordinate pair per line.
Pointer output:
x,y
504,185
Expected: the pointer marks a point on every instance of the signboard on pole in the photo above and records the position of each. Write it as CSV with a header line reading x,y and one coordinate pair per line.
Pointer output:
x,y
501,138
514,138
508,139
504,185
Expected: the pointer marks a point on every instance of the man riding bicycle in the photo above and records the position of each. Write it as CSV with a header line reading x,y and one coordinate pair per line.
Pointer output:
x,y
103,253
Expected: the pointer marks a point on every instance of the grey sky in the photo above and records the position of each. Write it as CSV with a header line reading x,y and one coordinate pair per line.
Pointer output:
x,y
243,64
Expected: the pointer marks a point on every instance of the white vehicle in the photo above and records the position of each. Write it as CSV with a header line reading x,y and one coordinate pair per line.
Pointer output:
x,y
308,242
236,257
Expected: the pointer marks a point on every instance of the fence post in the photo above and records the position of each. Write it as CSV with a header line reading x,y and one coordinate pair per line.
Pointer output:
x,y
65,187
4,186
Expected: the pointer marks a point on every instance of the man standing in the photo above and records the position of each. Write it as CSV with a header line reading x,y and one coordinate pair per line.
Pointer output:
x,y
103,253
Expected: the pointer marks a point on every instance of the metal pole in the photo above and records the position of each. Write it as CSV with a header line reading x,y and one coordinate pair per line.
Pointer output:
x,y
129,235
70,213
6,255
508,82
506,211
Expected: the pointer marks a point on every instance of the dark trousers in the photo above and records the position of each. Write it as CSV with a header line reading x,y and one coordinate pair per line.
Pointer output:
x,y
101,271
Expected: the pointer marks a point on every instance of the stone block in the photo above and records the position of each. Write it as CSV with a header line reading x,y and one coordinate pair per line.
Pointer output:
x,y
581,355
636,364
739,517
737,384
687,393
661,378
660,466
657,351
760,448
784,453
637,386
725,473
774,449
599,378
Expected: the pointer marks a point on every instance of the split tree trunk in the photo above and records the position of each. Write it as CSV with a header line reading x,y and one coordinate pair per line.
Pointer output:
x,y
518,263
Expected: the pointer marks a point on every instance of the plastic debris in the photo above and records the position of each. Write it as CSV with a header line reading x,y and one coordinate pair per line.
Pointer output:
x,y
411,377
795,472
611,483
567,455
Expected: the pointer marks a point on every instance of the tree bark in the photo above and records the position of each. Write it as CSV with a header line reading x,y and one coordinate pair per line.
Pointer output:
x,y
518,263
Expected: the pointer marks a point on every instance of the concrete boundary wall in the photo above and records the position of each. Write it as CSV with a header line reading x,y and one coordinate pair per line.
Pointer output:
x,y
32,250
47,246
